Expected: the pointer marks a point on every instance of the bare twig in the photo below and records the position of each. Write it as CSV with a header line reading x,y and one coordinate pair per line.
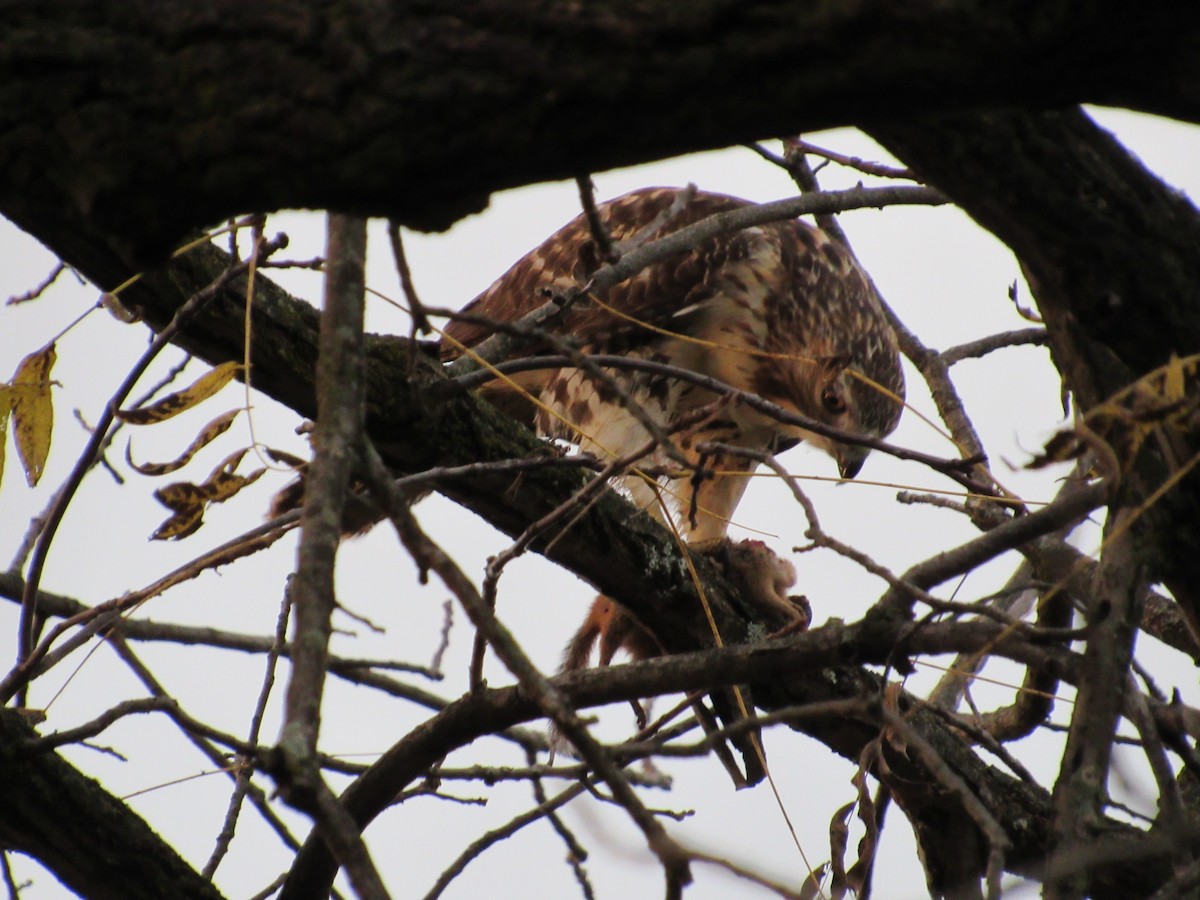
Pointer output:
x,y
311,592
430,557
1036,337
587,199
243,770
92,620
484,841
99,724
416,309
1079,792
189,729
953,468
40,288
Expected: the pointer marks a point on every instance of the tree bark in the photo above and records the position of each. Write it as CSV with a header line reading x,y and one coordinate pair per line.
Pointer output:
x,y
142,119
1112,257
94,843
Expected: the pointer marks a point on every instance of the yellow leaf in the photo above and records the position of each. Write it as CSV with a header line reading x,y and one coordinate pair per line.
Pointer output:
x,y
173,404
1174,380
188,500
229,463
180,525
207,435
6,402
226,484
182,495
33,411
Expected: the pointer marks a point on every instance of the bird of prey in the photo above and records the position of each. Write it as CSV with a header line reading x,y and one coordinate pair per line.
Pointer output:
x,y
780,310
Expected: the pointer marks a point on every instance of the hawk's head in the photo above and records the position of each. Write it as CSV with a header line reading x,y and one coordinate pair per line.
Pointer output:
x,y
840,360
864,399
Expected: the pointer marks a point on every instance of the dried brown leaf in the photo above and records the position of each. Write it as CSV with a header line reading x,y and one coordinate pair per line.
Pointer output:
x,y
188,500
858,874
839,837
207,435
1064,446
173,404
226,484
811,889
180,525
284,458
182,495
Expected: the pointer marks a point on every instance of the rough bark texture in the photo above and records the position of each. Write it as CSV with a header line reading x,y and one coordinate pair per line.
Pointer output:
x,y
147,117
93,842
1111,253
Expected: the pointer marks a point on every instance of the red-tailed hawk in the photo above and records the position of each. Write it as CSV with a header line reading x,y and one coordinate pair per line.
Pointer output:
x,y
780,310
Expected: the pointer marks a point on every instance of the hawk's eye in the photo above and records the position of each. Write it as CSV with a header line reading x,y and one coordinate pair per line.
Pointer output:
x,y
832,401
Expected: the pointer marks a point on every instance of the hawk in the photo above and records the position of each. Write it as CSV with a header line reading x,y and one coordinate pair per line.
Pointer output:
x,y
779,310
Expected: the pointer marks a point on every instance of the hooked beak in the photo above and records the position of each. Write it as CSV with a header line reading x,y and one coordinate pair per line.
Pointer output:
x,y
850,459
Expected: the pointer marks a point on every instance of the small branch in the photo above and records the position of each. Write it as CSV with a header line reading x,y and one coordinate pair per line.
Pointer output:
x,y
484,841
92,620
1067,509
798,147
952,468
587,199
430,557
100,723
1173,816
40,288
1036,337
998,842
242,777
416,309
311,590
1080,790
190,730
633,261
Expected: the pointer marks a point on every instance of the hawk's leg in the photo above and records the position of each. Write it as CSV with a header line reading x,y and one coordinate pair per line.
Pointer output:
x,y
712,494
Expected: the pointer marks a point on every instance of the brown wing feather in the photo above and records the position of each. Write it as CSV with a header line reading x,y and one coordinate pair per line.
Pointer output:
x,y
568,258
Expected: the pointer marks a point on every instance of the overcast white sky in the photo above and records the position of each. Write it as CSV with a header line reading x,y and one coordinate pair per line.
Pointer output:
x,y
946,278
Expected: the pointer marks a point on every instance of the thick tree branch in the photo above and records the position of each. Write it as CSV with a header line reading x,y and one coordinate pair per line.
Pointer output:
x,y
1110,252
91,841
142,119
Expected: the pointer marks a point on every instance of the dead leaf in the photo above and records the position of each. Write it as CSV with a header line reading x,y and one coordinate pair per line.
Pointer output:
x,y
811,889
858,874
839,837
173,404
1063,446
229,463
33,411
207,435
180,525
188,500
284,458
181,495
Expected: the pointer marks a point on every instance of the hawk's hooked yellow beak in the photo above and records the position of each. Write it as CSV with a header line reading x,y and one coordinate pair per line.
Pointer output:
x,y
850,459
